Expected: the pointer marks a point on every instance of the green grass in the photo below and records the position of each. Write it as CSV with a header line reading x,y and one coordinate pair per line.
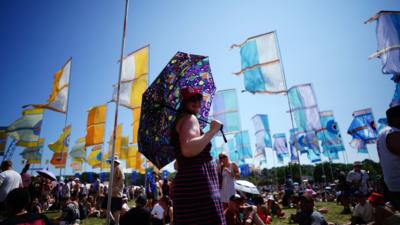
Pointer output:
x,y
333,215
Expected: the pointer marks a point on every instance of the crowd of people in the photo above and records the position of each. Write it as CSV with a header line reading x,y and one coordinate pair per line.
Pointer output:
x,y
203,190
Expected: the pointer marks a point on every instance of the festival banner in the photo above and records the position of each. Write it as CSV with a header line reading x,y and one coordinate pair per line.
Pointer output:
x,y
263,135
261,64
96,125
94,159
330,134
3,139
226,110
242,145
27,128
58,98
62,143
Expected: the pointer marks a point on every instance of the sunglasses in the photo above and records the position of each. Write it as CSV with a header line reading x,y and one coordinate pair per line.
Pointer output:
x,y
197,98
222,157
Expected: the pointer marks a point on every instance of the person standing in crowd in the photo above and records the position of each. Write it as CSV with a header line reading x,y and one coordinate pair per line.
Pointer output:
x,y
389,155
18,201
138,215
196,198
229,173
358,179
9,180
26,178
117,189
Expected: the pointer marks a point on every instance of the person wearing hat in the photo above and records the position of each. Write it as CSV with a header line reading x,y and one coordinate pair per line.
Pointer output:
x,y
358,179
196,189
388,145
139,215
229,172
117,189
239,213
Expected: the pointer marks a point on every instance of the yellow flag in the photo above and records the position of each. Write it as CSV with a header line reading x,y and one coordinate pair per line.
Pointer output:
x,y
104,163
135,160
117,142
135,125
62,143
133,78
28,144
95,125
58,98
95,156
124,148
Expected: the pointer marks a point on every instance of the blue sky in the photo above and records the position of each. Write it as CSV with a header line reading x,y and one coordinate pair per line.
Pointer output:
x,y
322,42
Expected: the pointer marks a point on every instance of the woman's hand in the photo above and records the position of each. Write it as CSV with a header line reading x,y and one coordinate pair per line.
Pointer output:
x,y
215,126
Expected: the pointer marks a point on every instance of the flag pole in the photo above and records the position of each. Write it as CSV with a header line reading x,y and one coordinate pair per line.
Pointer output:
x,y
116,117
66,117
287,95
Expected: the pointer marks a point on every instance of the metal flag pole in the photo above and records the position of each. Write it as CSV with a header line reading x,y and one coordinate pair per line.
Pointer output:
x,y
66,116
116,116
287,95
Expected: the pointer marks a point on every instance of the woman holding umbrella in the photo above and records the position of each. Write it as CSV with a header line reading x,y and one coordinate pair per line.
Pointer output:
x,y
196,198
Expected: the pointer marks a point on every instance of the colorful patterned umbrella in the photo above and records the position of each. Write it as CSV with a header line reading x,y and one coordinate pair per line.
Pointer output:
x,y
162,98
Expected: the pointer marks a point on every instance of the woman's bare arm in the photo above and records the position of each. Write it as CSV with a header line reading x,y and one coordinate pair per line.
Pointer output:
x,y
191,141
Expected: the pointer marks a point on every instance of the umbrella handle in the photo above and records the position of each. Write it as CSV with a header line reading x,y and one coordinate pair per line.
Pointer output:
x,y
223,134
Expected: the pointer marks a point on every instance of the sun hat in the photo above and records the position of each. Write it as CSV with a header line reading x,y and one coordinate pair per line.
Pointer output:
x,y
189,92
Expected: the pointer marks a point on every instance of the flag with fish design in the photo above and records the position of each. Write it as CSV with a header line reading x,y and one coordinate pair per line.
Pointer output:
x,y
263,135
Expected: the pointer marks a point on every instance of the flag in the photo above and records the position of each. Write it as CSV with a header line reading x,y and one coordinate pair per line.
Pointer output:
x,y
363,126
360,145
396,96
58,160
135,124
3,139
96,125
215,150
387,34
230,149
261,64
226,110
330,134
135,160
95,157
62,143
58,99
32,155
124,148
78,151
304,107
29,144
76,165
263,136
244,170
243,146
314,151
382,123
27,128
294,156
117,141
280,144
133,78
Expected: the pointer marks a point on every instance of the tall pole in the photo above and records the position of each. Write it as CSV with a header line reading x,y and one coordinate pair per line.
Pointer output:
x,y
116,117
287,95
66,115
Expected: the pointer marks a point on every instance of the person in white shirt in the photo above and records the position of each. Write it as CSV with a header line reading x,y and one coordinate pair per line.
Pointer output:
x,y
388,145
358,179
157,213
363,212
9,180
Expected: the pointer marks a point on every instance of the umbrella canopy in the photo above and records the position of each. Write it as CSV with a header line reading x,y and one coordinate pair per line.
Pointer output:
x,y
245,186
47,174
161,100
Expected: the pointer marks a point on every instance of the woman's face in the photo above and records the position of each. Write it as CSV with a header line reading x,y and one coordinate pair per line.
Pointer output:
x,y
223,159
193,105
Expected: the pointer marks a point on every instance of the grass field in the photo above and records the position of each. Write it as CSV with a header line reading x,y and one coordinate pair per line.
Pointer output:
x,y
333,215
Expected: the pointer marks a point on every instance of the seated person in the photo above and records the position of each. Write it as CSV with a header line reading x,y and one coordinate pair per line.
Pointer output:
x,y
139,214
17,203
363,212
274,208
262,211
240,213
70,211
125,206
306,214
